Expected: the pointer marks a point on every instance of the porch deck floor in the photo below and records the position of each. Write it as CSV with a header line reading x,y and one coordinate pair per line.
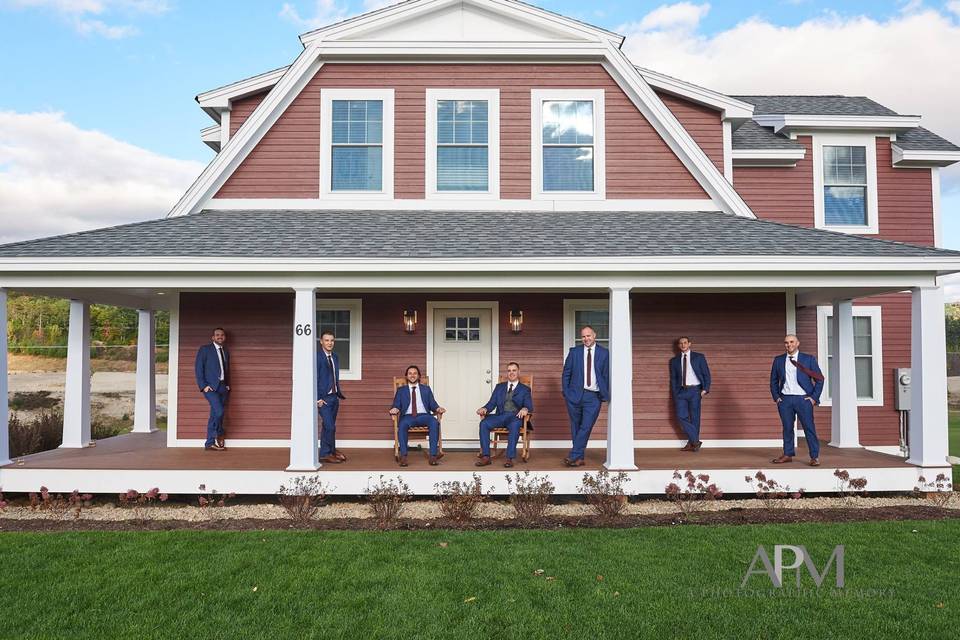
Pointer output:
x,y
150,452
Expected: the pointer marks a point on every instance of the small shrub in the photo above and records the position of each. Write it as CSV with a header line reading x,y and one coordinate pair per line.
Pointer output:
x,y
940,490
605,493
849,488
302,498
43,433
104,426
530,496
3,502
459,501
771,493
386,499
57,506
29,400
141,503
689,492
211,503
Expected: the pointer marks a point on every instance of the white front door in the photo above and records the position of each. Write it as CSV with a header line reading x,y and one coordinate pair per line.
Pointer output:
x,y
462,374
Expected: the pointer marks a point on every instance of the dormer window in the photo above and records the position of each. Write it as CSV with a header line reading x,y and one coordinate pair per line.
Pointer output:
x,y
568,144
845,182
463,144
356,141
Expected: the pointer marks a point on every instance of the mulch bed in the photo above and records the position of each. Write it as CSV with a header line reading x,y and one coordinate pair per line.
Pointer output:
x,y
727,517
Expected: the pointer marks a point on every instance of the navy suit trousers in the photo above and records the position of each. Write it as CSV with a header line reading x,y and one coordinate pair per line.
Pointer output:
x,y
218,405
328,429
797,407
687,403
508,421
583,415
421,420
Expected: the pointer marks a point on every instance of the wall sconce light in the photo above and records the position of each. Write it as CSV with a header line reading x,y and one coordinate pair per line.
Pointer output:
x,y
516,320
409,320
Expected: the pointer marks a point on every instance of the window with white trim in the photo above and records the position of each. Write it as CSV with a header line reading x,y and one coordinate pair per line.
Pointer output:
x,y
568,144
344,318
356,139
577,313
462,143
867,351
845,179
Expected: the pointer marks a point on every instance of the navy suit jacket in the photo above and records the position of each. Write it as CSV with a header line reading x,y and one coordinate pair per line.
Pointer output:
x,y
207,367
401,400
521,397
778,375
698,362
573,376
325,377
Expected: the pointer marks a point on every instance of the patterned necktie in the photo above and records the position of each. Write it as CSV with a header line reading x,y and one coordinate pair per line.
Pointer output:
x,y
413,401
684,370
333,374
589,367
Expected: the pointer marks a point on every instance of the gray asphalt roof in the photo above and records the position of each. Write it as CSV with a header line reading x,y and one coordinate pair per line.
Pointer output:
x,y
817,105
751,135
922,139
393,234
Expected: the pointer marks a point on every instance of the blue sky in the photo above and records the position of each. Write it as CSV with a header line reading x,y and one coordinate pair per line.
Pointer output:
x,y
129,69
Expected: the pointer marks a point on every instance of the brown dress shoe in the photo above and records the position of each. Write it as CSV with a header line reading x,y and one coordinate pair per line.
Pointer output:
x,y
434,461
509,463
403,461
814,462
220,443
687,447
782,459
482,462
340,456
331,459
697,445
576,463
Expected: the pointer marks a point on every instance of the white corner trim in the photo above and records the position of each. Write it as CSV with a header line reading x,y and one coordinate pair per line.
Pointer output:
x,y
918,158
327,96
793,122
875,313
731,108
867,140
492,97
355,307
173,369
790,297
728,150
937,214
537,98
224,127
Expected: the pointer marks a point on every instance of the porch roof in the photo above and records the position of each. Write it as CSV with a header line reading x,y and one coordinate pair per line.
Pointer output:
x,y
481,234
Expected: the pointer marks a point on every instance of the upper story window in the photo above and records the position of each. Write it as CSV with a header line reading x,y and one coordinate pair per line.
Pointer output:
x,y
356,137
845,179
568,144
463,143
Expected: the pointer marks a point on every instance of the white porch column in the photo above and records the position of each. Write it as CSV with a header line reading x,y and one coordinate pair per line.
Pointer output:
x,y
76,393
844,419
145,405
620,411
4,398
928,368
303,414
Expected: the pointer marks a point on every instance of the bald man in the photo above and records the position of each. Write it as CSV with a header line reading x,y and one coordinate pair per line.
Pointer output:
x,y
796,383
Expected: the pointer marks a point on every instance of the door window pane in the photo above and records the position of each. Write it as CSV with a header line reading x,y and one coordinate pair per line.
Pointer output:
x,y
462,329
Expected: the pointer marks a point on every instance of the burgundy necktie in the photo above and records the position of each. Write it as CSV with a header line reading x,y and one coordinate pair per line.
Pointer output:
x,y
589,366
684,370
333,374
413,401
813,375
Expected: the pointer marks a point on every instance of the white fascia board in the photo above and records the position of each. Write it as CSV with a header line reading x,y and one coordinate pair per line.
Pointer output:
x,y
211,137
428,205
220,97
790,122
920,158
410,10
733,109
768,157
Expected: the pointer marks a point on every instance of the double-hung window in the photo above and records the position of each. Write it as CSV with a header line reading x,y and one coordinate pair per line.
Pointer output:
x,y
867,353
568,144
463,143
845,179
343,318
357,143
578,313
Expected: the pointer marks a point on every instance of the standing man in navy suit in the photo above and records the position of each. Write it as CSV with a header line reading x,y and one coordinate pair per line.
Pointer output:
x,y
212,369
512,400
689,383
796,383
586,384
328,392
414,403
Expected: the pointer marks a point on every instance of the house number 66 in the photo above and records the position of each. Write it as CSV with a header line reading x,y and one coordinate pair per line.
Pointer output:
x,y
303,330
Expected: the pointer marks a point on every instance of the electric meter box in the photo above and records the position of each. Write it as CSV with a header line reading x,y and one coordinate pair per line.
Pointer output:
x,y
901,389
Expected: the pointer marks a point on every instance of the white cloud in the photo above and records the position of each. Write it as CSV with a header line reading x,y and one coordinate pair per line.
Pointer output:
x,y
325,12
57,178
905,62
371,5
80,13
954,7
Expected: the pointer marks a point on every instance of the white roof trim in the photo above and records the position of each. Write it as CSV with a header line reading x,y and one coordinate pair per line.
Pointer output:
x,y
413,8
921,158
218,99
767,157
732,108
211,137
791,122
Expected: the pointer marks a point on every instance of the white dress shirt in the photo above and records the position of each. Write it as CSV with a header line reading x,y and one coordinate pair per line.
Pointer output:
x,y
593,369
415,389
692,379
790,385
220,358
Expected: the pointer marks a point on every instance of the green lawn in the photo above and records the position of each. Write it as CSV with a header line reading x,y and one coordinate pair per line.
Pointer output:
x,y
954,447
672,582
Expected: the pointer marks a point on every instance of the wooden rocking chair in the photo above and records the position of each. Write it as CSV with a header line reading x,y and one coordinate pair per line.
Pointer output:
x,y
422,432
526,431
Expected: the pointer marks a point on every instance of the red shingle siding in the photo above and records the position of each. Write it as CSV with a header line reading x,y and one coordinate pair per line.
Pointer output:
x,y
905,200
782,194
285,164
702,123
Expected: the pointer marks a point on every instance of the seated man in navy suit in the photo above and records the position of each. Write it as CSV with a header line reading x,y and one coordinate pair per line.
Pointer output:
x,y
414,403
212,369
328,404
512,401
689,383
796,383
586,376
